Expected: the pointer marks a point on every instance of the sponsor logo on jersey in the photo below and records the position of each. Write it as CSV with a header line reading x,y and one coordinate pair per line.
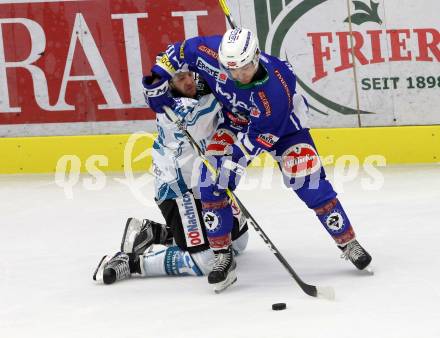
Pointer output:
x,y
265,101
166,64
335,222
212,220
182,50
222,77
232,98
208,51
190,221
207,68
238,118
285,86
300,160
267,140
255,112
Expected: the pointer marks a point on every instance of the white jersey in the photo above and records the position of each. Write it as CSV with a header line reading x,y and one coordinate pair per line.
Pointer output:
x,y
175,162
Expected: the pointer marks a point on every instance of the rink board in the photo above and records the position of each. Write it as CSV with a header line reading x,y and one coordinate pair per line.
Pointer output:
x,y
60,75
116,153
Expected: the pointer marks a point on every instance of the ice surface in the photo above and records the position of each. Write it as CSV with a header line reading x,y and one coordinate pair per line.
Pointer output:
x,y
50,245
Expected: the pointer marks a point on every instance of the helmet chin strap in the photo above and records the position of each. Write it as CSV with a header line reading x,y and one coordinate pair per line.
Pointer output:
x,y
256,58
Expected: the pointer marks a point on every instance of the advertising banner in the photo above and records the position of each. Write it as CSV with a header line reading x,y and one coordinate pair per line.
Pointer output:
x,y
74,63
75,66
395,44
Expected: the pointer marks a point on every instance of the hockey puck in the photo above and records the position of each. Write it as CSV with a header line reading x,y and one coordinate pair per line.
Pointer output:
x,y
279,306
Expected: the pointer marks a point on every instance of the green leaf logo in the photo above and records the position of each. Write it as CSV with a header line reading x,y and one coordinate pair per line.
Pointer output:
x,y
365,13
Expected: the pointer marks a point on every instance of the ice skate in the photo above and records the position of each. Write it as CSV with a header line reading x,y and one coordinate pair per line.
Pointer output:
x,y
223,272
140,235
354,252
97,275
112,269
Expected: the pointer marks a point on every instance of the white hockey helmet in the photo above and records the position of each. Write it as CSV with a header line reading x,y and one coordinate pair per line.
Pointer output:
x,y
238,48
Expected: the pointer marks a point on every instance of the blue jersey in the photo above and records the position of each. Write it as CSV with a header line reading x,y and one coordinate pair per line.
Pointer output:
x,y
269,103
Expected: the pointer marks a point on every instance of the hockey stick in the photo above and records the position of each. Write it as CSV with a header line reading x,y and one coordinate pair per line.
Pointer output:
x,y
227,13
311,290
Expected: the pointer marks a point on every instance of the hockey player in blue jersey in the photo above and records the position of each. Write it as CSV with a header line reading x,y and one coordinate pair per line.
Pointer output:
x,y
180,246
246,80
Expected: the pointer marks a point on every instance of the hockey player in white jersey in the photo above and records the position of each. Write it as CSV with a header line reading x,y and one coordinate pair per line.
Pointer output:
x,y
179,247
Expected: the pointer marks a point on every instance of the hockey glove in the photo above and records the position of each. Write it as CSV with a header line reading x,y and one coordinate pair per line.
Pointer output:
x,y
157,94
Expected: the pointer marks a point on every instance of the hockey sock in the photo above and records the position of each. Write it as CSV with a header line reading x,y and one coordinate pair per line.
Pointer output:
x,y
335,221
169,261
217,216
220,242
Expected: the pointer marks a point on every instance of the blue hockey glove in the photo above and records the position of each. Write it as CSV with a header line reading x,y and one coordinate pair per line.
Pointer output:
x,y
157,94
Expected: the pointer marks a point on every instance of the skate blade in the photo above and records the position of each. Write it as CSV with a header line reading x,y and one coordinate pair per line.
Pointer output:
x,y
97,275
369,270
231,279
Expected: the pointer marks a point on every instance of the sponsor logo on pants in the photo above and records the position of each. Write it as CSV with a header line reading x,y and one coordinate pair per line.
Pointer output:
x,y
300,160
190,221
